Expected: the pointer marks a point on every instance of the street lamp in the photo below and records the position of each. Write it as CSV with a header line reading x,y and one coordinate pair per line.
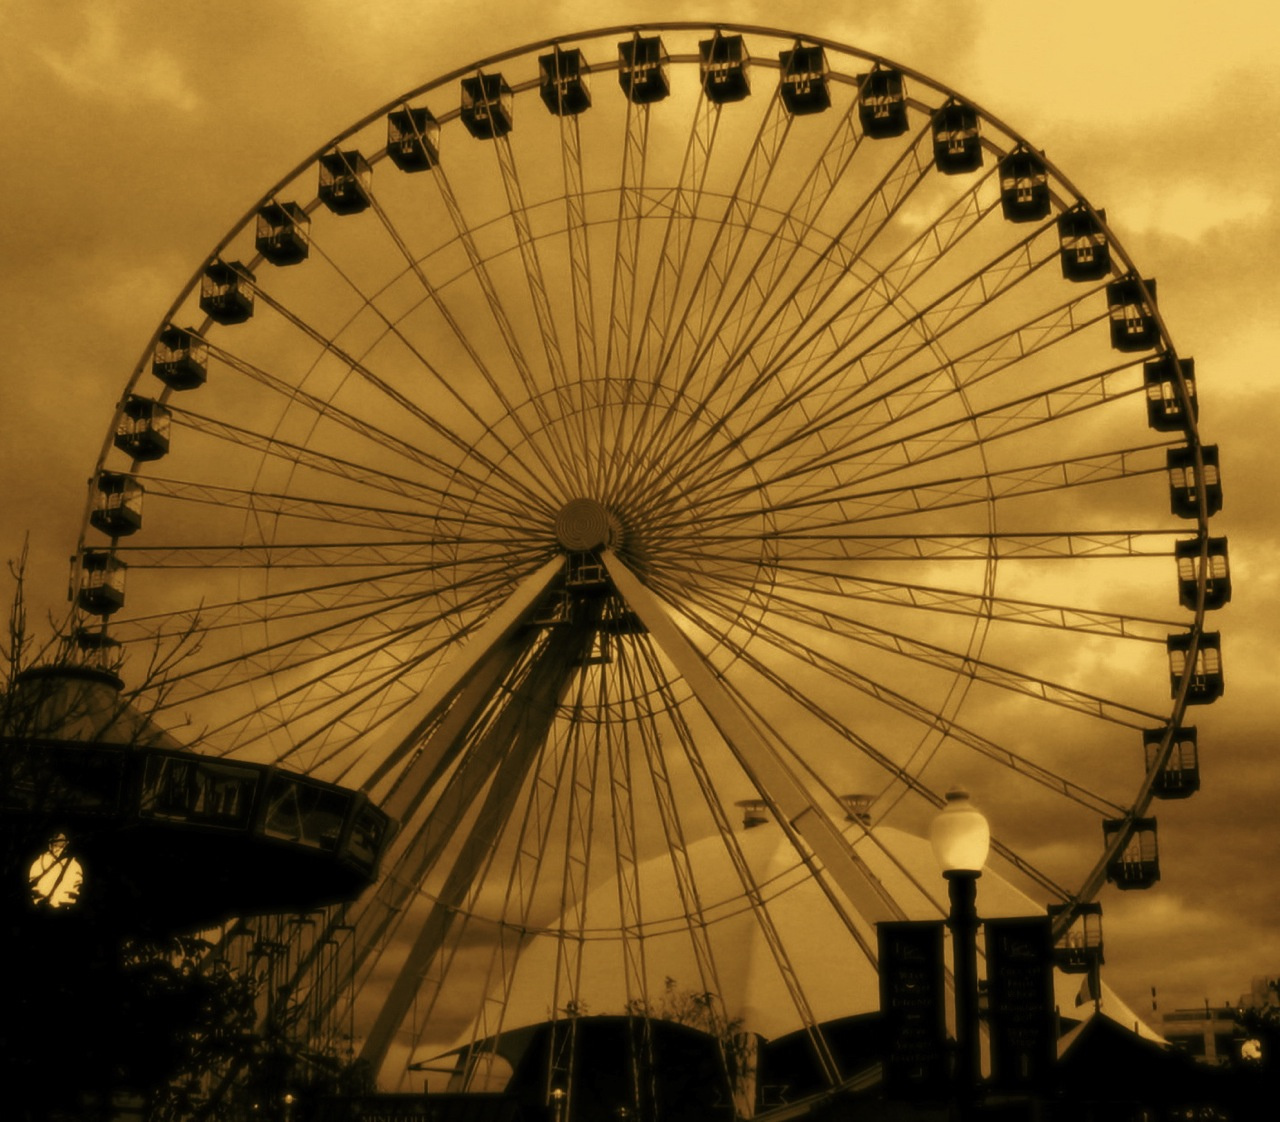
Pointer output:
x,y
961,837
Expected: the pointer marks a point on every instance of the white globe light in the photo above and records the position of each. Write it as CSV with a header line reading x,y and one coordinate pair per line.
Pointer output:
x,y
960,835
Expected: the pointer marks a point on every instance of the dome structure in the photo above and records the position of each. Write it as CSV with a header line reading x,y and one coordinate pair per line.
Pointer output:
x,y
67,702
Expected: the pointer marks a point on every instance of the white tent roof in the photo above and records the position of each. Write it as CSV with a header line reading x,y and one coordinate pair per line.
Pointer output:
x,y
824,968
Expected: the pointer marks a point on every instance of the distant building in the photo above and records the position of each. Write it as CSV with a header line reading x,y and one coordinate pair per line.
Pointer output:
x,y
1207,1033
1210,1034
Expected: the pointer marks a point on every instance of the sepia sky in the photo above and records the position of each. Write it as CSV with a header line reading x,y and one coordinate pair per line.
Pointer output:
x,y
137,134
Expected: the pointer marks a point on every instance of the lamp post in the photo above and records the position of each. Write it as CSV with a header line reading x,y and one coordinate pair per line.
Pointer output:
x,y
961,837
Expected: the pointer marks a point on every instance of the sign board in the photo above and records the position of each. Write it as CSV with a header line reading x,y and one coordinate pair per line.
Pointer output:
x,y
912,1005
1021,1014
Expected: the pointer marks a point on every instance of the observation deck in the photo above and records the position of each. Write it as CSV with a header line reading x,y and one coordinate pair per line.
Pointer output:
x,y
169,839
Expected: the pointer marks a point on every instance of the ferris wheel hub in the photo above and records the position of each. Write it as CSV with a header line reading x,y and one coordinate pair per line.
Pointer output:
x,y
586,524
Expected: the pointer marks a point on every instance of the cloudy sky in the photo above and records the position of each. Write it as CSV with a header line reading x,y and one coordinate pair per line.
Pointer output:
x,y
138,133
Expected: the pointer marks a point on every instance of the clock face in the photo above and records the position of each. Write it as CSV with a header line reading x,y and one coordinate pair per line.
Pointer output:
x,y
55,876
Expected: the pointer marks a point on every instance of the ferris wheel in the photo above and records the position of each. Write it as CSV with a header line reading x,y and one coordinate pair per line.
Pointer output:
x,y
628,431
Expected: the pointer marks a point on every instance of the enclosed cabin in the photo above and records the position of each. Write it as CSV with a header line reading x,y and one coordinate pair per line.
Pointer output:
x,y
643,65
117,504
101,590
94,640
142,432
487,105
957,145
346,182
1137,863
1079,948
882,103
1082,244
755,812
1171,392
1024,186
226,292
1203,561
413,139
1179,776
722,65
564,82
283,233
181,359
804,82
1185,484
1131,305
1205,683
857,808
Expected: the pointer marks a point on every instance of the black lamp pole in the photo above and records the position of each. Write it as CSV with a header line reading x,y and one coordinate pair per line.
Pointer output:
x,y
961,837
963,923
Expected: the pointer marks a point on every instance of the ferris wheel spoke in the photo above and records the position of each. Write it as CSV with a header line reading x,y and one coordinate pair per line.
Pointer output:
x,y
511,341
372,555
762,278
516,921
469,448
476,745
306,508
684,333
834,509
862,416
624,814
666,331
578,250
628,226
520,746
568,452
377,437
241,668
364,475
927,717
747,881
829,336
579,851
481,273
876,360
645,672
299,601
928,597
841,543
756,756
686,203
648,319
397,397
767,322
912,783
864,460
758,277
832,622
872,416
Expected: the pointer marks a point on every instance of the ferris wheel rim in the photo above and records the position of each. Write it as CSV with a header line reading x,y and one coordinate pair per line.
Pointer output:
x,y
1143,799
